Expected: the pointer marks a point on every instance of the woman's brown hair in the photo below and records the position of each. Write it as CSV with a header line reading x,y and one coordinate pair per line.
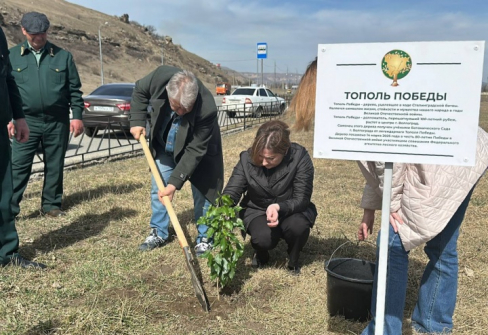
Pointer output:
x,y
273,135
303,103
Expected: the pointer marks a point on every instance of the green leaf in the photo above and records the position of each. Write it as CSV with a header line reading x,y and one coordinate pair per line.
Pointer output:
x,y
228,225
225,266
210,259
216,267
210,232
226,200
232,273
212,211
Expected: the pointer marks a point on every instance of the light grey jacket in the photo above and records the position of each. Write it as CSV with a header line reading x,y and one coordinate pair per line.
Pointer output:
x,y
425,196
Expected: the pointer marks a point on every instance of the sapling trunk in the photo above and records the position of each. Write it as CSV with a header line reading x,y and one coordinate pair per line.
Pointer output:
x,y
218,290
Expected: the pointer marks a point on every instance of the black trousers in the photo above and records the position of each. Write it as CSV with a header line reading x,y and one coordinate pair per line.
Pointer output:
x,y
294,229
9,240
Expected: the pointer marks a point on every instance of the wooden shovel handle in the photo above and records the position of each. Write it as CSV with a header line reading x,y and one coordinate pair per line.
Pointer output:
x,y
167,203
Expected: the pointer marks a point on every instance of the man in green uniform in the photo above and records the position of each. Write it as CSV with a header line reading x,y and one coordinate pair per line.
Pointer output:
x,y
49,85
10,105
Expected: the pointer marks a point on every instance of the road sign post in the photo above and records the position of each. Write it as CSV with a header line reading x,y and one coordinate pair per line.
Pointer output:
x,y
262,53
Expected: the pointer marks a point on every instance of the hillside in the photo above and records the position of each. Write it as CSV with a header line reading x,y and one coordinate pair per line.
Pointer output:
x,y
129,49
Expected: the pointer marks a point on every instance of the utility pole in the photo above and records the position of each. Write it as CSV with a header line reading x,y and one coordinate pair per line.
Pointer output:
x,y
286,86
274,74
257,72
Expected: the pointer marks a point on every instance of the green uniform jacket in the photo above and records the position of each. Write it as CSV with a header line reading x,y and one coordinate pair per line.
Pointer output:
x,y
198,145
51,88
10,101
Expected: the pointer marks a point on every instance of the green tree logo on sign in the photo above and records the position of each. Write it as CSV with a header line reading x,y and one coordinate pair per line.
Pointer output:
x,y
395,65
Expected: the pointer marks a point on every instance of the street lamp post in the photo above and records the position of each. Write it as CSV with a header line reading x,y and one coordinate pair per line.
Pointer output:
x,y
162,51
100,46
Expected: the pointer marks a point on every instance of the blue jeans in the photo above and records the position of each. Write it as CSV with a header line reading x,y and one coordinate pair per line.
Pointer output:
x,y
160,218
438,289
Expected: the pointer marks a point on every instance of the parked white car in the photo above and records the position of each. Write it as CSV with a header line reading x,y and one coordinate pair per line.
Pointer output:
x,y
254,101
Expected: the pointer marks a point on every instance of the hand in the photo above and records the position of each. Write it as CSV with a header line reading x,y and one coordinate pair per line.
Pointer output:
x,y
169,191
11,129
19,129
366,225
394,219
272,215
76,127
137,132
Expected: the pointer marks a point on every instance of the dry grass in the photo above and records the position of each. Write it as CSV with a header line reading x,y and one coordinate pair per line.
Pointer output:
x,y
99,283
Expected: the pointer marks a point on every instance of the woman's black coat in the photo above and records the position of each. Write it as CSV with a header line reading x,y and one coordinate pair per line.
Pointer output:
x,y
289,185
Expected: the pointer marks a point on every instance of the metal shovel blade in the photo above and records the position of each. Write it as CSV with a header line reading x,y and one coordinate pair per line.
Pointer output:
x,y
197,286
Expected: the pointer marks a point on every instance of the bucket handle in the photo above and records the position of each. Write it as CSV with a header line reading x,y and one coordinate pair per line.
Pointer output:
x,y
343,244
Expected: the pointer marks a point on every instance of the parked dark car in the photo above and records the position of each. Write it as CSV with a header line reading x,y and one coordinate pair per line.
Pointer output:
x,y
108,105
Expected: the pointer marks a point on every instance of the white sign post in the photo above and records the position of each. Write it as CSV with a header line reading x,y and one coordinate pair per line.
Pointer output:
x,y
398,102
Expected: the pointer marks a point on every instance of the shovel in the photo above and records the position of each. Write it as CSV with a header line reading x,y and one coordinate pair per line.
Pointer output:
x,y
199,292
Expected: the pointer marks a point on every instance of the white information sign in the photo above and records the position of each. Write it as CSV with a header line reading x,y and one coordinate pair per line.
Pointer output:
x,y
415,102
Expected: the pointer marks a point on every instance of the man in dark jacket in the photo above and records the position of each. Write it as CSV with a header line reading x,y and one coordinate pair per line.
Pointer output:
x,y
10,105
185,141
50,86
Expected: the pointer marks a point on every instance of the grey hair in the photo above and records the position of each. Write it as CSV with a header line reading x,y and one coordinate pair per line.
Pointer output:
x,y
183,87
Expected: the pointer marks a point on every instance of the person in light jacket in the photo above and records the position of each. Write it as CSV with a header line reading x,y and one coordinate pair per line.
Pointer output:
x,y
428,204
275,178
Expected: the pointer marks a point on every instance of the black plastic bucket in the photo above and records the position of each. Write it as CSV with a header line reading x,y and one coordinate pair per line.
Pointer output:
x,y
349,287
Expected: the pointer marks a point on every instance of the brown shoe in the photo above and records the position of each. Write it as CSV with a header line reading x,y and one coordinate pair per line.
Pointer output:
x,y
55,213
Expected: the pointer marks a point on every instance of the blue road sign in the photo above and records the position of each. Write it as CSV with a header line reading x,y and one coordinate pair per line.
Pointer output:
x,y
262,50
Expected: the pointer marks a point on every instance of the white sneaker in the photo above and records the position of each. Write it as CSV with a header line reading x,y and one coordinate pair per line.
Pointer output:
x,y
153,241
202,247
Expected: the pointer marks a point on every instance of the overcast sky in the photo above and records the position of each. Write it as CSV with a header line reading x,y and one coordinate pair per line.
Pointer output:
x,y
226,32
